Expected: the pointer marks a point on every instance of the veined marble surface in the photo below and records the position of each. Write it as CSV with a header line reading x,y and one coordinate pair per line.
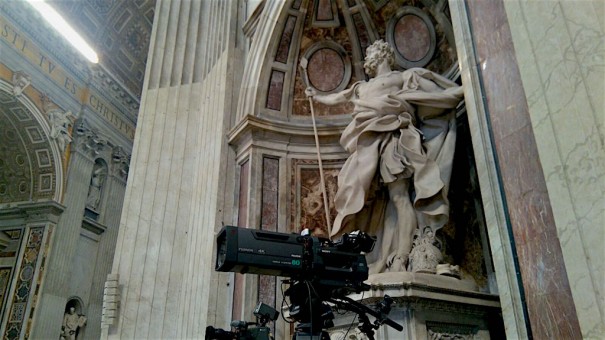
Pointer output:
x,y
560,48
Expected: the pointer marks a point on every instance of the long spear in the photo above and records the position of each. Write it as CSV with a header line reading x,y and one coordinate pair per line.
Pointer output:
x,y
303,64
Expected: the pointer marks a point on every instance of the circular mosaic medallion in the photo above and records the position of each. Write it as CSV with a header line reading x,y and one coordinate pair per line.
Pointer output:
x,y
412,35
27,273
329,68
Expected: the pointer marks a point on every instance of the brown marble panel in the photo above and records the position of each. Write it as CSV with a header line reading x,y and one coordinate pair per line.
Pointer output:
x,y
267,285
324,10
283,48
550,307
270,197
412,37
296,4
326,69
362,32
276,87
244,175
309,204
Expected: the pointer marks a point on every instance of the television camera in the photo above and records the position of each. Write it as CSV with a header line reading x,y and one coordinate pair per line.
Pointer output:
x,y
321,274
264,314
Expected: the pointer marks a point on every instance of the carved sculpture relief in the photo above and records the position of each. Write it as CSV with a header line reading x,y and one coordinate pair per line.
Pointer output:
x,y
21,80
60,123
121,161
88,140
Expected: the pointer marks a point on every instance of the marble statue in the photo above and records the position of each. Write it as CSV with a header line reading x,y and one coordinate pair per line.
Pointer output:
x,y
21,81
71,323
59,127
96,184
426,253
402,137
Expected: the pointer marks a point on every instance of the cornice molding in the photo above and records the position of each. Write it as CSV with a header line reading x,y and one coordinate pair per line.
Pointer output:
x,y
287,129
31,212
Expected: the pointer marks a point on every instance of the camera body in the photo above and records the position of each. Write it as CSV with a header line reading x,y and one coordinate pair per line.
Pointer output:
x,y
255,333
243,250
320,271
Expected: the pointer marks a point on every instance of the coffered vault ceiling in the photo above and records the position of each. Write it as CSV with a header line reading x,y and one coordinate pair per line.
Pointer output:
x,y
118,30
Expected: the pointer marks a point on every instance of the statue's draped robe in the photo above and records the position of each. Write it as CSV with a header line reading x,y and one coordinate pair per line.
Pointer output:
x,y
409,133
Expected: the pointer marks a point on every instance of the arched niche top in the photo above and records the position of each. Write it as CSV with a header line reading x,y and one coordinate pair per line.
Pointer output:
x,y
31,167
77,303
273,82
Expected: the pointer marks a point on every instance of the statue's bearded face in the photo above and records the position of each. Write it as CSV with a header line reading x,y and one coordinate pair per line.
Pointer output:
x,y
373,59
376,54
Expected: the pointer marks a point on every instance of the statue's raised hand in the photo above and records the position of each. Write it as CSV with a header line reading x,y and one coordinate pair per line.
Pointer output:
x,y
310,92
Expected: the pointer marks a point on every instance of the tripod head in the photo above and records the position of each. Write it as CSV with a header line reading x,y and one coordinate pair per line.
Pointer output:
x,y
310,307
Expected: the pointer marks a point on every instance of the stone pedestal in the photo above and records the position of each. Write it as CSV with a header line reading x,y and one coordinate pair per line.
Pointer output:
x,y
428,306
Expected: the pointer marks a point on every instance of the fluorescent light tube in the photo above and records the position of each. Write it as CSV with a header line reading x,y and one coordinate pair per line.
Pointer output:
x,y
57,21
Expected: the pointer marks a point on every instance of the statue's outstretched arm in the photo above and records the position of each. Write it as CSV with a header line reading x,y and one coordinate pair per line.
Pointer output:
x,y
328,99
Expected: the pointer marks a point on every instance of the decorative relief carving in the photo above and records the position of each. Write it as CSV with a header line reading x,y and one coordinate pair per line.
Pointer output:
x,y
60,124
21,81
448,336
120,162
107,84
88,140
450,331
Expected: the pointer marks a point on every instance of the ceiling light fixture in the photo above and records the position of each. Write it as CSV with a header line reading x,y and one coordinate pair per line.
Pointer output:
x,y
57,21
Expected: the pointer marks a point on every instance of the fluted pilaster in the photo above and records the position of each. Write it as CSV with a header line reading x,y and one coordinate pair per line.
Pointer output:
x,y
166,234
53,296
116,185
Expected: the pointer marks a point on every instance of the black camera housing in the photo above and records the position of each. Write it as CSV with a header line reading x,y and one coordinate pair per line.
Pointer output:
x,y
244,250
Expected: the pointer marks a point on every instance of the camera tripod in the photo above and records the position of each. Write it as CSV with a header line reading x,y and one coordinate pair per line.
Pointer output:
x,y
311,309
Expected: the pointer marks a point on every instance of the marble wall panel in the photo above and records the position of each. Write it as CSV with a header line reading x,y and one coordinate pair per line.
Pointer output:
x,y
267,285
561,50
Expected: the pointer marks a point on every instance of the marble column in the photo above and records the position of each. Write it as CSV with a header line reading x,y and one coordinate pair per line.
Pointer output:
x,y
534,274
177,177
54,294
